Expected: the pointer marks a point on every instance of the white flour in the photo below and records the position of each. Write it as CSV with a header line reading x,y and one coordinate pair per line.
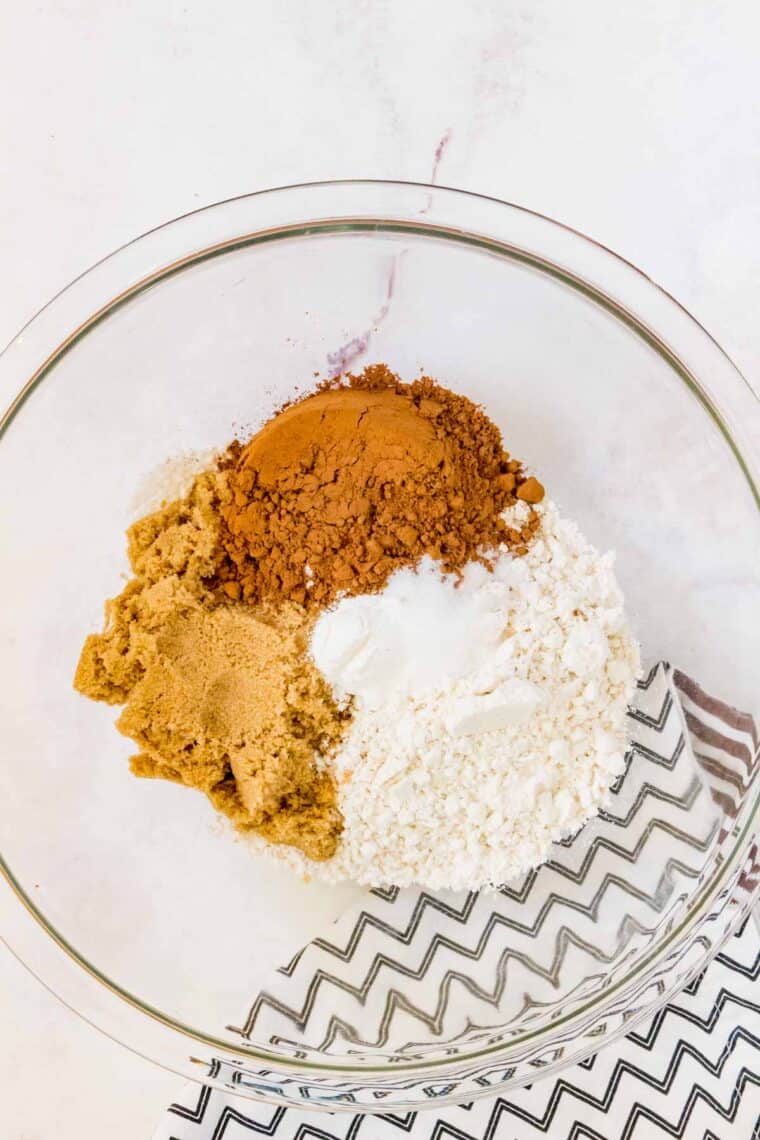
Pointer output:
x,y
489,716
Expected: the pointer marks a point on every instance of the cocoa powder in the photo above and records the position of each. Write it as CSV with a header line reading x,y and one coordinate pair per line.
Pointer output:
x,y
359,479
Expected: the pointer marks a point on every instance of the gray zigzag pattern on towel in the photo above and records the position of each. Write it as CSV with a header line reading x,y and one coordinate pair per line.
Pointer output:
x,y
634,1088
565,939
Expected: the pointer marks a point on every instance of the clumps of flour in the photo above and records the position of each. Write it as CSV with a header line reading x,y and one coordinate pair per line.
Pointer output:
x,y
489,712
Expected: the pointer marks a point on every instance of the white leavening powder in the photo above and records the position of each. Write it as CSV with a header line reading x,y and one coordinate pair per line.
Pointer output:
x,y
489,713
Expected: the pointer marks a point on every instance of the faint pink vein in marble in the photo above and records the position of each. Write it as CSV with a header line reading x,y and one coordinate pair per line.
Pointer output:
x,y
340,361
444,141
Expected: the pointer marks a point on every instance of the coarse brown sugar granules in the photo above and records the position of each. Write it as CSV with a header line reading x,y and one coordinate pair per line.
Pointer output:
x,y
222,698
229,698
172,553
365,476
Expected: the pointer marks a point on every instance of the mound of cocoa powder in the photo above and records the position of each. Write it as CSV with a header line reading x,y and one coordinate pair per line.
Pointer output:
x,y
359,479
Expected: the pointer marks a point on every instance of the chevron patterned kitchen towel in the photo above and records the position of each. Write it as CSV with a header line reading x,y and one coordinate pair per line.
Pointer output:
x,y
692,1070
420,968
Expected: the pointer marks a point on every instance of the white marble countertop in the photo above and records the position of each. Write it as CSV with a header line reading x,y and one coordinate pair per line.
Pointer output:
x,y
636,124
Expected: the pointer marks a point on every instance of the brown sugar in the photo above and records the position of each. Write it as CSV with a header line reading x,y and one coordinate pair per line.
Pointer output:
x,y
218,697
363,477
230,693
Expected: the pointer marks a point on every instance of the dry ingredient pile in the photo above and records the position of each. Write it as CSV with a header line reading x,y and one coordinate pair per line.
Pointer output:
x,y
372,643
350,484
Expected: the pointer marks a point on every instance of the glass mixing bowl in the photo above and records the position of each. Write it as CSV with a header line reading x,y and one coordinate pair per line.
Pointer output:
x,y
128,898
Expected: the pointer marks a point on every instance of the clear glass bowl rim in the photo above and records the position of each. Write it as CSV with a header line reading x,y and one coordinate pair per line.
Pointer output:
x,y
332,207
